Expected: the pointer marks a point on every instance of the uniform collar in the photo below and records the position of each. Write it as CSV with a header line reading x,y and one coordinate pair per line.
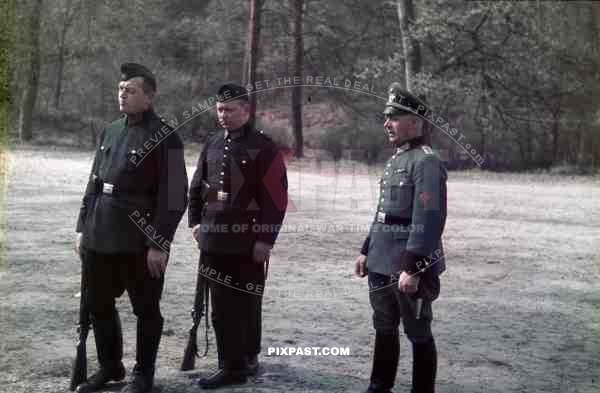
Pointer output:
x,y
402,148
142,119
410,144
238,133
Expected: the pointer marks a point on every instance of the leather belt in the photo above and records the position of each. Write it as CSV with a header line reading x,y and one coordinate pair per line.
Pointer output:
x,y
392,220
222,196
106,188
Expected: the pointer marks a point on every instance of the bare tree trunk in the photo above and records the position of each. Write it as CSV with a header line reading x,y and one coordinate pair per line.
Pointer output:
x,y
252,52
298,65
68,19
59,74
555,131
31,88
7,39
412,51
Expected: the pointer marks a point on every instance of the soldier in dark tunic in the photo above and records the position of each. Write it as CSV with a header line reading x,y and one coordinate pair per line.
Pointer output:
x,y
403,255
238,197
134,200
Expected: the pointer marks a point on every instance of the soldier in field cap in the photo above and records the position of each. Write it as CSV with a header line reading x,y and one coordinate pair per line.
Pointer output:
x,y
238,199
403,255
134,200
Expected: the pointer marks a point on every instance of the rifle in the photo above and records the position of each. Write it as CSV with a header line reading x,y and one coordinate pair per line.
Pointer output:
x,y
79,372
200,309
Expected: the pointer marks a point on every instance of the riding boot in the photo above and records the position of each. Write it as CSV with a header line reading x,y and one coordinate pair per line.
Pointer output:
x,y
109,347
424,366
385,363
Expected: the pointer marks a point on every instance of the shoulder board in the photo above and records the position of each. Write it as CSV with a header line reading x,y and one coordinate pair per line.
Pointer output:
x,y
215,135
263,135
112,130
428,150
115,127
120,122
164,122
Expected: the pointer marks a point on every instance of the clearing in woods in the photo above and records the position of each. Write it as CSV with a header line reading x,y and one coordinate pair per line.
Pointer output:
x,y
518,312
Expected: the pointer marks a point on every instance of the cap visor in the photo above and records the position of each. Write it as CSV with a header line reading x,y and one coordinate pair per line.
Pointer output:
x,y
393,111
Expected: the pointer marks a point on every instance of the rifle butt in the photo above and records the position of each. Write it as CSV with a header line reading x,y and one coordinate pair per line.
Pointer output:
x,y
189,355
79,372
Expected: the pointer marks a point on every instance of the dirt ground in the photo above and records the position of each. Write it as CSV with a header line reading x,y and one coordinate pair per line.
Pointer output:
x,y
519,309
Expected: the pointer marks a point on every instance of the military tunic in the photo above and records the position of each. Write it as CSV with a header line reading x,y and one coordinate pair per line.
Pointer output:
x,y
138,173
411,213
134,200
238,195
239,192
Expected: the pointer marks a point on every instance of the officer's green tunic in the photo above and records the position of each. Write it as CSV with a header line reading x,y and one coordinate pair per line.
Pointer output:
x,y
411,212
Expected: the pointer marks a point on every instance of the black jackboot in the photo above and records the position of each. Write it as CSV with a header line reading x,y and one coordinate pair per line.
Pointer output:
x,y
424,367
109,347
385,363
149,332
219,340
229,373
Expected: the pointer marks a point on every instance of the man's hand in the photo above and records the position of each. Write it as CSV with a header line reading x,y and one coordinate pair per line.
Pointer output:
x,y
157,262
78,242
360,266
408,284
195,231
261,252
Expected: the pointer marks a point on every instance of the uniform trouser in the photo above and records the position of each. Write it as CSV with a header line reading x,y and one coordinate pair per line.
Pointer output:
x,y
108,276
390,306
236,287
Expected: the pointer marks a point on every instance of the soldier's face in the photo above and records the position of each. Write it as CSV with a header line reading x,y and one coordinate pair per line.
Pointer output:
x,y
234,114
401,128
132,98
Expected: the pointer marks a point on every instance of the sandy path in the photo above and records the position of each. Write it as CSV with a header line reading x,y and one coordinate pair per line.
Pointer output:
x,y
519,309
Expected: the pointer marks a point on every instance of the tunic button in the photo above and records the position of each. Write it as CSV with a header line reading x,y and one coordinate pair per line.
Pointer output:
x,y
101,147
222,173
224,155
243,161
220,181
384,182
228,139
223,164
387,173
226,147
253,219
132,151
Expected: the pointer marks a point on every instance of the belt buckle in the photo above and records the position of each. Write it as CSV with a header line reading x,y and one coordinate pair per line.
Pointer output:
x,y
107,188
381,217
222,196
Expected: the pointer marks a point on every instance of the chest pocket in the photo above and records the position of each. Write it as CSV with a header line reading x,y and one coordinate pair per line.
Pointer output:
x,y
398,193
104,151
215,163
246,167
133,161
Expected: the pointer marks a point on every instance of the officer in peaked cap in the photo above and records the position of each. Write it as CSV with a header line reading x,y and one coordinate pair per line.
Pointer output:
x,y
403,255
134,200
238,198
